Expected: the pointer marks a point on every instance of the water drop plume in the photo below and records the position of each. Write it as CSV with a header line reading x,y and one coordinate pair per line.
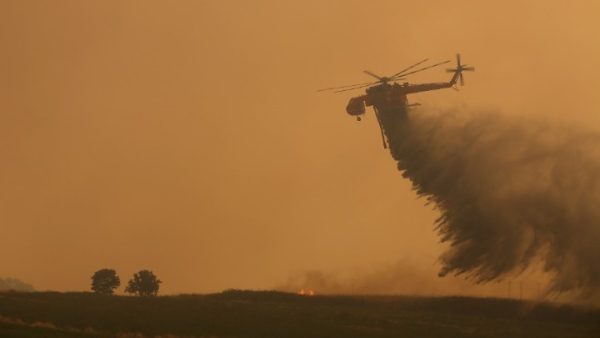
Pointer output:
x,y
509,192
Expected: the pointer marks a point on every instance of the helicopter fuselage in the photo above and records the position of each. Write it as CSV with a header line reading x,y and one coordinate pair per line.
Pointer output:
x,y
380,95
391,95
391,99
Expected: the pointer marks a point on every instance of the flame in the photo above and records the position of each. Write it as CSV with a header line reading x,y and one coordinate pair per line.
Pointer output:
x,y
307,292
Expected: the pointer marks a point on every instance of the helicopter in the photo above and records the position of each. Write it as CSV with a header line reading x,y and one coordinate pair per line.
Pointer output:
x,y
386,94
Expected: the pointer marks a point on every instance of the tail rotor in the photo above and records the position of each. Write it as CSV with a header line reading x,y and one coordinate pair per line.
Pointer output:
x,y
458,75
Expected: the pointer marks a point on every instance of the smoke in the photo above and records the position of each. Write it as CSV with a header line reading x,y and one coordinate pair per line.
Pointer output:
x,y
402,277
12,284
509,192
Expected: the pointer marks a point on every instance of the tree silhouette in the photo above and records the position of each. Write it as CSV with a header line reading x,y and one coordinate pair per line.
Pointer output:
x,y
143,283
105,281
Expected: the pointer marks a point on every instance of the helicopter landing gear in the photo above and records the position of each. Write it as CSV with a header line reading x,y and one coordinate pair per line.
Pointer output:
x,y
358,118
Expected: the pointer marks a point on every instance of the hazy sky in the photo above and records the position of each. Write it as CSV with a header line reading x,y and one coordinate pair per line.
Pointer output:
x,y
186,137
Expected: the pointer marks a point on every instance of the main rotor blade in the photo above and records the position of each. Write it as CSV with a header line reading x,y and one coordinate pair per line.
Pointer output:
x,y
462,80
458,60
345,90
348,86
373,75
409,68
425,68
469,68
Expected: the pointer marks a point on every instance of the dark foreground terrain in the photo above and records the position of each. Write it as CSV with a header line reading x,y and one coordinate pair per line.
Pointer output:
x,y
275,314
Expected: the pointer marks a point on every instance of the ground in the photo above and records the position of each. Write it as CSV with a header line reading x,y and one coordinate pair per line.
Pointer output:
x,y
275,314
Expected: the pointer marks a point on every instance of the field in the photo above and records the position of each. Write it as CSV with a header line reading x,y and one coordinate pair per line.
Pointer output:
x,y
275,314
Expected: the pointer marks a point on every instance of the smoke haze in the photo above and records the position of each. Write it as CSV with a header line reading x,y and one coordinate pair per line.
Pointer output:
x,y
13,284
405,278
187,137
509,192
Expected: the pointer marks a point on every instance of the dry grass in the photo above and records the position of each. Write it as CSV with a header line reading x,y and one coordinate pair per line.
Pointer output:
x,y
275,314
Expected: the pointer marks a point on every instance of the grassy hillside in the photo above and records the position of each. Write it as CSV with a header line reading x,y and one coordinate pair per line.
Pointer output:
x,y
274,314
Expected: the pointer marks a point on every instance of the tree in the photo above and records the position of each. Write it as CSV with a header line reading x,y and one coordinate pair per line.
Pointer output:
x,y
143,283
105,281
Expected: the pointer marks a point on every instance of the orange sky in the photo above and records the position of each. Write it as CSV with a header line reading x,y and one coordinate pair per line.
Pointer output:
x,y
186,137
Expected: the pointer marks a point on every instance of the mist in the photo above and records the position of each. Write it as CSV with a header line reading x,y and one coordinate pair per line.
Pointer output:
x,y
509,192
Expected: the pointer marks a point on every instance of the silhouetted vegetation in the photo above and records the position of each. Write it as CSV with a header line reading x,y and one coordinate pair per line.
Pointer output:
x,y
105,281
274,314
143,283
